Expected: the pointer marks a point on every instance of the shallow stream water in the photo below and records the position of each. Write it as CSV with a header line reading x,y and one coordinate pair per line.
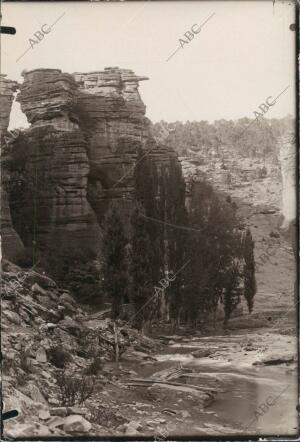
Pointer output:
x,y
255,399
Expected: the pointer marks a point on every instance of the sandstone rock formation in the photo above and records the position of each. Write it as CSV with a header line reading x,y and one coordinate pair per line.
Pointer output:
x,y
49,166
11,243
79,155
112,117
7,89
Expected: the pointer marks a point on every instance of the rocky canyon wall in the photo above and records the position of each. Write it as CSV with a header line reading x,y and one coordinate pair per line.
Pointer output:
x,y
112,118
287,157
49,168
78,155
263,192
11,244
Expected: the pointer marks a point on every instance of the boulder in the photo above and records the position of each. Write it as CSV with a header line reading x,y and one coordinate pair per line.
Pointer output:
x,y
12,317
43,281
8,266
202,353
55,421
44,415
67,411
21,402
132,428
76,424
15,431
59,411
65,297
41,355
37,289
35,394
69,325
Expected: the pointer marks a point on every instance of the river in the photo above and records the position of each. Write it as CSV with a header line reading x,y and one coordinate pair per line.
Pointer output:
x,y
252,399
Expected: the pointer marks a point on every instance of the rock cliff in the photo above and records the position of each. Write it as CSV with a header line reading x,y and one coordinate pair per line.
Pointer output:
x,y
12,245
78,155
48,171
287,156
112,118
263,192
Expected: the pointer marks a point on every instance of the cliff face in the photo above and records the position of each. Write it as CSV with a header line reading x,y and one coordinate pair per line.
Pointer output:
x,y
112,118
12,245
78,155
49,165
287,156
263,192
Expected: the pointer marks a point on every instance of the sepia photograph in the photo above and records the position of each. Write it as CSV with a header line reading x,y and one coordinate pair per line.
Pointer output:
x,y
149,235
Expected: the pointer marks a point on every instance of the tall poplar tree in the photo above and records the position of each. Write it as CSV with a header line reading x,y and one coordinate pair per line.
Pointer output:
x,y
114,269
249,271
142,288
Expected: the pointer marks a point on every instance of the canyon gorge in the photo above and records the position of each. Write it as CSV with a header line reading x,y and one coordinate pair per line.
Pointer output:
x,y
87,135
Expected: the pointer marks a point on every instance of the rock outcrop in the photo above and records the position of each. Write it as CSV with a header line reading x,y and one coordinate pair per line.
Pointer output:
x,y
7,89
49,166
79,155
112,117
11,243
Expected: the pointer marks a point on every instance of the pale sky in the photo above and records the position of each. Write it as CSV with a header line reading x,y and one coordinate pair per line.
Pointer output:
x,y
243,54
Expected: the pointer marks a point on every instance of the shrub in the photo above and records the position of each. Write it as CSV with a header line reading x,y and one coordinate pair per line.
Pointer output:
x,y
74,389
58,357
76,270
94,367
24,258
24,361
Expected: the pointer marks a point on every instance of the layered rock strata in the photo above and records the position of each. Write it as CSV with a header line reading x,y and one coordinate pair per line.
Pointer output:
x,y
88,132
11,243
112,117
49,166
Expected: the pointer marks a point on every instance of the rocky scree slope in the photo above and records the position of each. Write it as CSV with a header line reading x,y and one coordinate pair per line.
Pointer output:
x,y
48,340
60,374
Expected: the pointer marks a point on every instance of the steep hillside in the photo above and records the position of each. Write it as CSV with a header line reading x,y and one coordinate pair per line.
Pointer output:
x,y
263,193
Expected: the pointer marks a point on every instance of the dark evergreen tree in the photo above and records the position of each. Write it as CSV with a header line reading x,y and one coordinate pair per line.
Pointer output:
x,y
176,236
232,290
214,245
249,271
148,185
114,269
142,288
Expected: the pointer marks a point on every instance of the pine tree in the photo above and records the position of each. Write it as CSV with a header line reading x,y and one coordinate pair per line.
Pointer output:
x,y
249,271
114,270
142,288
